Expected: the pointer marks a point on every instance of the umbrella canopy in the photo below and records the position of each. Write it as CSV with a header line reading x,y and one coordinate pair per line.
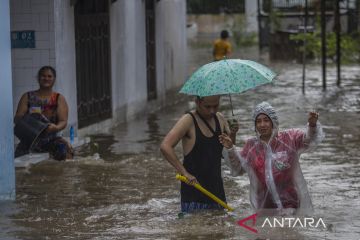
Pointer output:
x,y
227,76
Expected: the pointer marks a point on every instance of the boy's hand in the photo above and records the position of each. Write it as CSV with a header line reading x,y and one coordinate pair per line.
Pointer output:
x,y
225,140
192,180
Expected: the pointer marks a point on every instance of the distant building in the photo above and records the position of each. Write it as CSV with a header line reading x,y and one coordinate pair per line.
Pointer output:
x,y
288,16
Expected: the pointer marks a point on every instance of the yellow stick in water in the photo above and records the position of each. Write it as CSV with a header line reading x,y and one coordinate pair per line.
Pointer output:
x,y
204,191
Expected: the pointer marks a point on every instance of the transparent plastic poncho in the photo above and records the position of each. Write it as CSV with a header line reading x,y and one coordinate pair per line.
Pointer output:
x,y
276,180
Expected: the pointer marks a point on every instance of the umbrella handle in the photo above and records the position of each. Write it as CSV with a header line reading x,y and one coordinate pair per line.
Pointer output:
x,y
204,191
232,108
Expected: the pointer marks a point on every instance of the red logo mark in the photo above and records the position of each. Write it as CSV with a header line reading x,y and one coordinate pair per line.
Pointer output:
x,y
253,218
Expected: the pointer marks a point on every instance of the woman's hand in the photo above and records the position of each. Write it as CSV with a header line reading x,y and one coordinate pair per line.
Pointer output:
x,y
233,126
52,128
234,129
225,140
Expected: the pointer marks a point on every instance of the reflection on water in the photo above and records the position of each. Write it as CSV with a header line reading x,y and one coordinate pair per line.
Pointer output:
x,y
119,187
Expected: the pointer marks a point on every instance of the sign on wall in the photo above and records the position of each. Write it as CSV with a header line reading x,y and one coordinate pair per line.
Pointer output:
x,y
23,39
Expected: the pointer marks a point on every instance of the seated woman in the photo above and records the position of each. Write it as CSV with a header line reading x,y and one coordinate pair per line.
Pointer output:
x,y
49,106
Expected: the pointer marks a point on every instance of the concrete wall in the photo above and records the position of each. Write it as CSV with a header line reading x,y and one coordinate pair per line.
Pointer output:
x,y
212,24
7,170
287,23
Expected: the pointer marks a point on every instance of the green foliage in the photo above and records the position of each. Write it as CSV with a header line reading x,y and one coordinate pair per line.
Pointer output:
x,y
242,38
275,21
350,45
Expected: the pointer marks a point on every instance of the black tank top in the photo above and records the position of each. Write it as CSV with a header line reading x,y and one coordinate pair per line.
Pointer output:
x,y
204,162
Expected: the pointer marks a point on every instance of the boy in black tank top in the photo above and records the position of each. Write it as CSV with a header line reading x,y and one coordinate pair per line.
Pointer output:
x,y
199,133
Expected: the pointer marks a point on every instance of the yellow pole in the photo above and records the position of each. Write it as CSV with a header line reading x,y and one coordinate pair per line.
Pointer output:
x,y
204,191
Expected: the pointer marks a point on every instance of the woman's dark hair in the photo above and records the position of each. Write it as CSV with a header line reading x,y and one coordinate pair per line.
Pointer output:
x,y
224,34
45,68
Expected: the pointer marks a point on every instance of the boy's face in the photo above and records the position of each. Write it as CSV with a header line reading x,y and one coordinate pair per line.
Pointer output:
x,y
208,106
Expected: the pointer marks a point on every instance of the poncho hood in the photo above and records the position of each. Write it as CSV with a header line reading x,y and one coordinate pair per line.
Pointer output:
x,y
268,110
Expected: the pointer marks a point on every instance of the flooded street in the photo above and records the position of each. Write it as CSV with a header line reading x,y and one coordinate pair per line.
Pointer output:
x,y
122,188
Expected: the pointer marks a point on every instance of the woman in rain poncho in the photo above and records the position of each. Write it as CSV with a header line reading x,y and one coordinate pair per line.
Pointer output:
x,y
271,160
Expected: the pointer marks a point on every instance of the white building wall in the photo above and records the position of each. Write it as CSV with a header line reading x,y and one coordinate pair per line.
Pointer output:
x,y
160,44
171,44
36,15
7,169
117,45
251,16
65,61
53,23
128,53
128,58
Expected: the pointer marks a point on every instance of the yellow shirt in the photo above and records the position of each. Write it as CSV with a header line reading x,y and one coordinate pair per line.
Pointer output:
x,y
221,48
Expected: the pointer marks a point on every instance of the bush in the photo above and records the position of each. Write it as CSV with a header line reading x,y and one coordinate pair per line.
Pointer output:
x,y
350,45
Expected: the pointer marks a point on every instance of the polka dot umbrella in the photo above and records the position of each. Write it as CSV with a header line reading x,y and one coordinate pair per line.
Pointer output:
x,y
227,76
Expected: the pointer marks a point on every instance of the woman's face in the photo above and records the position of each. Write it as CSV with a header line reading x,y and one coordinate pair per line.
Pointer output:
x,y
264,125
46,79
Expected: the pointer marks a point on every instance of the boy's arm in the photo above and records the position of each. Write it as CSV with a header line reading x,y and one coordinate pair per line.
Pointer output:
x,y
307,140
179,131
314,134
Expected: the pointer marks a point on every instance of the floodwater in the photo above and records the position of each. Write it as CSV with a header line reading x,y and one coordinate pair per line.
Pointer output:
x,y
120,187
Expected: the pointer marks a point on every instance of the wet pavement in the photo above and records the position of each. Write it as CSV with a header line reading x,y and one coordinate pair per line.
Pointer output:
x,y
120,187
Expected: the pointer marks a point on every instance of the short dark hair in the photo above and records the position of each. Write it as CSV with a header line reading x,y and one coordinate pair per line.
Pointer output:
x,y
45,68
199,98
224,34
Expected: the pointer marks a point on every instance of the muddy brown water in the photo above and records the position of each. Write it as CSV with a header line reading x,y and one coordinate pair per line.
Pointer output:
x,y
123,189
